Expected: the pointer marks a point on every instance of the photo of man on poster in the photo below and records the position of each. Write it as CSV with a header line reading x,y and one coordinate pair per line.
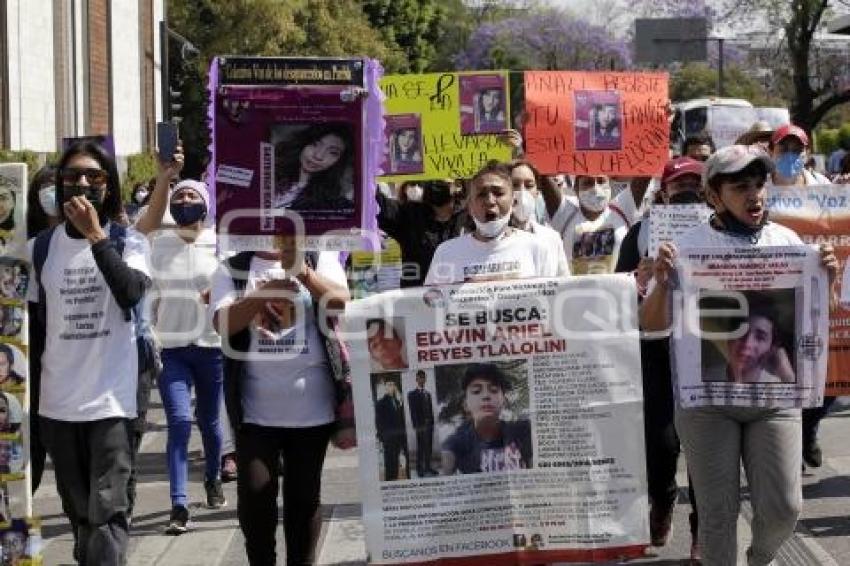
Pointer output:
x,y
420,405
390,428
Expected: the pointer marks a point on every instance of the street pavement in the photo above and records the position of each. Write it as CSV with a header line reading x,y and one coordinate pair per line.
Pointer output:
x,y
821,537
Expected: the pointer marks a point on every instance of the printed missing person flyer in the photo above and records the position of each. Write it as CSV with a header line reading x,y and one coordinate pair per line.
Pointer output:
x,y
500,423
754,328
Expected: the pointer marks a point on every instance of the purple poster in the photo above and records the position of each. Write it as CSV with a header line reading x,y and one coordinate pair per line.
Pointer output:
x,y
482,104
290,157
598,120
404,155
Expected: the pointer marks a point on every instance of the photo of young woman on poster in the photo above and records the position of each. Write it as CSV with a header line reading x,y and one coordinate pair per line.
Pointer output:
x,y
9,378
489,110
486,441
313,169
11,413
406,146
7,204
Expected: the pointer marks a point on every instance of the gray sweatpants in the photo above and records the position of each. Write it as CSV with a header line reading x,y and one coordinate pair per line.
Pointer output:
x,y
715,441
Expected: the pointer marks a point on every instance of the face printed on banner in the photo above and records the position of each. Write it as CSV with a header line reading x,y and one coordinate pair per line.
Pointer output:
x,y
748,354
7,203
607,114
390,388
743,198
406,139
322,154
5,454
490,100
4,413
385,345
5,367
484,400
491,198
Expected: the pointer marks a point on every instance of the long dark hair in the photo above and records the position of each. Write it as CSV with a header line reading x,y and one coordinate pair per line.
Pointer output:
x,y
397,152
324,187
482,112
37,219
112,206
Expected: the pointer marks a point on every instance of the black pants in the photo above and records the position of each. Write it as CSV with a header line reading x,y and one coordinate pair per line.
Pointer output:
x,y
662,442
393,447
258,453
92,464
138,427
812,418
424,441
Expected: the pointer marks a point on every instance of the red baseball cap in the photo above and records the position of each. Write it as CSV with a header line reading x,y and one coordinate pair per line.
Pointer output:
x,y
789,130
680,166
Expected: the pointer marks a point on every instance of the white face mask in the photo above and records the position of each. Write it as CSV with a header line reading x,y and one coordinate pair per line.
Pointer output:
x,y
47,200
141,196
492,228
525,206
414,193
595,199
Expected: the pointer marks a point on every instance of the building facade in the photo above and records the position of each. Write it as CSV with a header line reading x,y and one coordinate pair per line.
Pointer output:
x,y
79,67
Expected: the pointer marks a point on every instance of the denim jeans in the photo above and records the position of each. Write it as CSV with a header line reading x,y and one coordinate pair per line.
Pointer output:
x,y
182,368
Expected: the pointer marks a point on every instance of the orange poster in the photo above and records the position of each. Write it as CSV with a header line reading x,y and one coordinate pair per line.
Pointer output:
x,y
597,123
819,215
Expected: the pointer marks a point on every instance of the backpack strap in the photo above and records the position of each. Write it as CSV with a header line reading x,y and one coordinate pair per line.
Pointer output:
x,y
40,247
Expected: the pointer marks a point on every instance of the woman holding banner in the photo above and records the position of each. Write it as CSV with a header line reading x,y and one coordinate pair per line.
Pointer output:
x,y
717,438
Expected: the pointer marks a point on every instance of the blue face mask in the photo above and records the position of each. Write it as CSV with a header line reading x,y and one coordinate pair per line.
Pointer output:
x,y
185,214
540,209
790,164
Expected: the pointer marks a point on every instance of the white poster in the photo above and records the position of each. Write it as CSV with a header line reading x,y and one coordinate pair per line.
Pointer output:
x,y
669,221
754,329
534,447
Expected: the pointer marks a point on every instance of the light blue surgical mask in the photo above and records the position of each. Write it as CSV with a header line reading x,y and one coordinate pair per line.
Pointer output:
x,y
540,209
790,164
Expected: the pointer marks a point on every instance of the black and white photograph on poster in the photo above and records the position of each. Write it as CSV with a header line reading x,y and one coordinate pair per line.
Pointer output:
x,y
390,427
404,135
386,343
598,120
314,171
754,328
484,422
13,368
11,412
13,186
12,320
756,346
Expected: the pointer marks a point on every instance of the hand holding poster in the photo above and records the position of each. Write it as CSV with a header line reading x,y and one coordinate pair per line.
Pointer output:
x,y
500,423
293,149
597,123
669,221
754,327
449,122
818,213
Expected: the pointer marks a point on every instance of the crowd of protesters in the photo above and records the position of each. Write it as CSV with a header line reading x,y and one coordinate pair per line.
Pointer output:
x,y
154,278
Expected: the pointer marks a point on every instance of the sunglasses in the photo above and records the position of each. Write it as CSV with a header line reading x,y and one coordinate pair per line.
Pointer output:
x,y
71,175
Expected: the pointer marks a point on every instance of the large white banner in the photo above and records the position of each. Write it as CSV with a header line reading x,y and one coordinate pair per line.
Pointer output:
x,y
754,328
501,423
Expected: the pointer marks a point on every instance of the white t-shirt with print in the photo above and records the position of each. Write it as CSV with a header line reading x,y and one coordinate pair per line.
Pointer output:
x,y
287,379
591,246
554,241
514,255
180,271
704,236
89,369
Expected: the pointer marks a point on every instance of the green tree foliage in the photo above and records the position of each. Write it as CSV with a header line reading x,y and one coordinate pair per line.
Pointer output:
x,y
262,27
698,80
415,26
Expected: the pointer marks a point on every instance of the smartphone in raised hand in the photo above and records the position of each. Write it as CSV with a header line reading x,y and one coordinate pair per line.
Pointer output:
x,y
167,136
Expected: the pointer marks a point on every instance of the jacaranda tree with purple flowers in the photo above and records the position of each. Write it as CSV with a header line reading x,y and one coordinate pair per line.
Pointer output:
x,y
547,39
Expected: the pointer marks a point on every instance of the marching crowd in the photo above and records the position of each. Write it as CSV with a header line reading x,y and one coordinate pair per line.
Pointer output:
x,y
158,302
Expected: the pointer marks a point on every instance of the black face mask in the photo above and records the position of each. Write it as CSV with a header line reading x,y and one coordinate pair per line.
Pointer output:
x,y
735,226
437,195
686,197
